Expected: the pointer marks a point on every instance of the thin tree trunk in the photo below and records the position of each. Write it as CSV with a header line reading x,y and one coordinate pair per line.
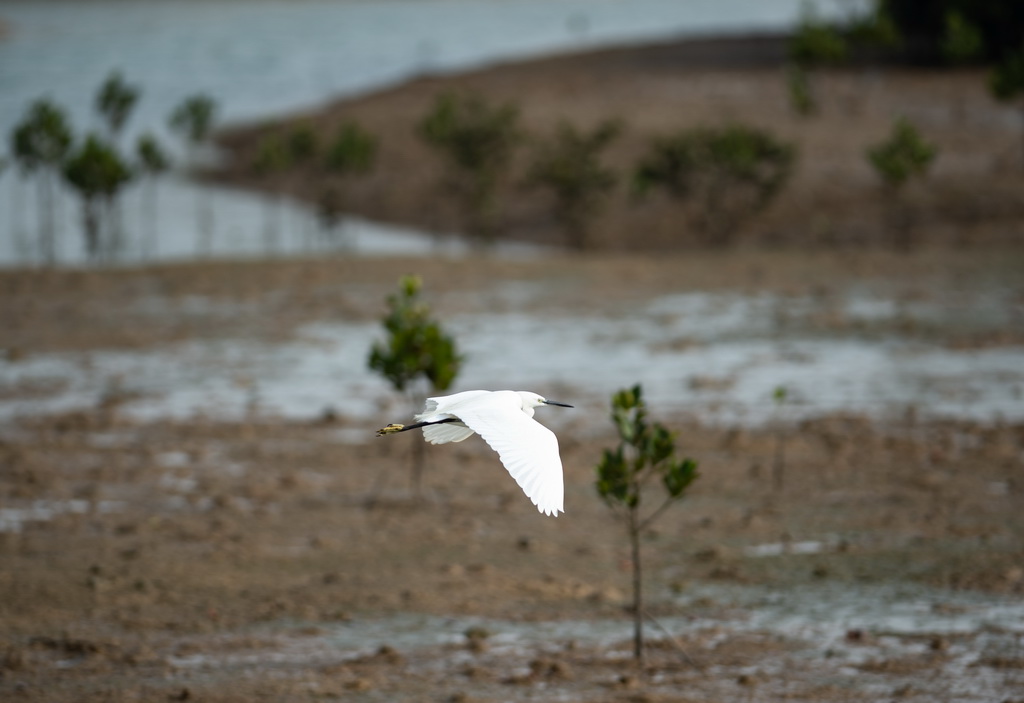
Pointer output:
x,y
90,224
271,224
150,209
19,228
638,598
112,241
47,248
205,221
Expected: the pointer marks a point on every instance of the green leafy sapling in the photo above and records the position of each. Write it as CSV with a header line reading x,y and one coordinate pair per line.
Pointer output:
x,y
962,41
416,348
725,175
39,144
813,44
352,153
115,101
1007,82
303,145
272,158
904,156
646,452
478,140
96,172
152,160
568,165
193,120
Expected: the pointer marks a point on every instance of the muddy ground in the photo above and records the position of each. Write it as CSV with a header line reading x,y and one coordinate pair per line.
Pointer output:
x,y
281,560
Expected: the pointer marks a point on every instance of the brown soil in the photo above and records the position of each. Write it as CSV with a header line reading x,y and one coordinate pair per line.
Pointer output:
x,y
219,561
974,194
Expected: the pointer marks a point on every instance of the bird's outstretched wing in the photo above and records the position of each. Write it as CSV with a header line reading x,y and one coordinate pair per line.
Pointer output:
x,y
441,408
527,449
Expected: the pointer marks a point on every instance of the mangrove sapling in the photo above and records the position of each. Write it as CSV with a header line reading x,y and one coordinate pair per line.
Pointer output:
x,y
899,159
477,140
152,162
272,158
813,45
303,147
114,102
39,145
724,174
352,153
568,165
416,350
96,172
962,42
1007,84
646,452
193,119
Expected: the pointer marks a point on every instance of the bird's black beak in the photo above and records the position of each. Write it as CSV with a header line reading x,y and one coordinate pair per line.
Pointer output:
x,y
561,405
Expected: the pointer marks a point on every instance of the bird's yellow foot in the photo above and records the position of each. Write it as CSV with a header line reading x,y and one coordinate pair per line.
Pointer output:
x,y
390,429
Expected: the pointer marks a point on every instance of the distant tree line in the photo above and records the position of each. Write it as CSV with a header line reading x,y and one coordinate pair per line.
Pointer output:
x,y
97,167
721,176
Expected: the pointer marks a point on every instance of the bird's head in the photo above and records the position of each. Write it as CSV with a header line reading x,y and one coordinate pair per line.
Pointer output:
x,y
532,400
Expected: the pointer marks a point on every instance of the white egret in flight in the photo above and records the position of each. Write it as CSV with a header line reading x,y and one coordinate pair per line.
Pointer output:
x,y
505,420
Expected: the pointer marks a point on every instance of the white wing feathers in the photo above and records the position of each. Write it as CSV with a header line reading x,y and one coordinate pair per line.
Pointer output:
x,y
444,406
440,409
528,450
448,432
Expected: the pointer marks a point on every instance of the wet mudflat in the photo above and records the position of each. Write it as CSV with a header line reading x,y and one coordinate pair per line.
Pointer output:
x,y
263,549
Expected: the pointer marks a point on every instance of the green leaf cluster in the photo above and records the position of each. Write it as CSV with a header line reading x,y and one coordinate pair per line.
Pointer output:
x,y
716,159
815,42
478,137
272,156
962,41
479,140
194,118
353,150
1007,79
645,449
904,155
39,144
801,95
115,101
97,172
302,143
871,28
152,157
730,172
43,138
95,169
416,345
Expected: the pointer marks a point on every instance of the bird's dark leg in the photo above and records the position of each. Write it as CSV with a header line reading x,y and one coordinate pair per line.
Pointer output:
x,y
392,429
